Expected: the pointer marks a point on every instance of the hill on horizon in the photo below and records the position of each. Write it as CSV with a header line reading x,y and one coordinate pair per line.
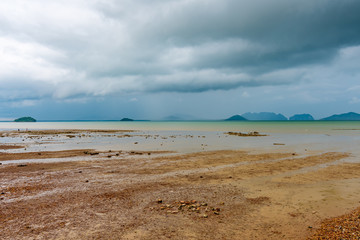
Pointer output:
x,y
264,116
302,117
236,118
350,116
25,119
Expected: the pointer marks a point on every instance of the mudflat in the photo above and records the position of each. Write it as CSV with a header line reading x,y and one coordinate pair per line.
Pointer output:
x,y
227,194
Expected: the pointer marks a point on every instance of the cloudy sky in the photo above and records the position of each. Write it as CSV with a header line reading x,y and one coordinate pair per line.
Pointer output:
x,y
205,59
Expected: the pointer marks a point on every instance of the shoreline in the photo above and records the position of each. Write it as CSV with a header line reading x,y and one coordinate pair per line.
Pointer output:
x,y
115,193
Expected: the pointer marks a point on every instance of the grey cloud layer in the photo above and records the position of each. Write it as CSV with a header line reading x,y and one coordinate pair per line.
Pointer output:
x,y
68,49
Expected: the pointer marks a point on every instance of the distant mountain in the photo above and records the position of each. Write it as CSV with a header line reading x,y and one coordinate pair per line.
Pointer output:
x,y
302,117
264,116
236,118
25,119
350,116
127,120
178,117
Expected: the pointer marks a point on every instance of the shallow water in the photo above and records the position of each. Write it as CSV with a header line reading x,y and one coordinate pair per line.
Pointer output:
x,y
325,127
187,137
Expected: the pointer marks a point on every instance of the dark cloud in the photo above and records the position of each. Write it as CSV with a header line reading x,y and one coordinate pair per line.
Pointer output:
x,y
68,49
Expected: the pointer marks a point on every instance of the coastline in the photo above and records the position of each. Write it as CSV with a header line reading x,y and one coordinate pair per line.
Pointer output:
x,y
272,192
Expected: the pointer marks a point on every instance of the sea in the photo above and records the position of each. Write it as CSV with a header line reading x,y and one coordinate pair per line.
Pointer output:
x,y
325,127
303,137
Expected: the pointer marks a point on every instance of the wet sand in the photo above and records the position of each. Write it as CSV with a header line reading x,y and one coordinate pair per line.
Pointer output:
x,y
223,194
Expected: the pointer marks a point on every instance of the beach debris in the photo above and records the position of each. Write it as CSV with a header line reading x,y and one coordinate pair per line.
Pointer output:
x,y
249,134
159,200
278,143
22,165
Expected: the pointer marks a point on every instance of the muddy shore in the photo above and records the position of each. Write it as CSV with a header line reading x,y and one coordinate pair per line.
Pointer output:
x,y
229,194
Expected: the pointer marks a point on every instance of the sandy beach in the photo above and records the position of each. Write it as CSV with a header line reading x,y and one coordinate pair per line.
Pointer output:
x,y
54,189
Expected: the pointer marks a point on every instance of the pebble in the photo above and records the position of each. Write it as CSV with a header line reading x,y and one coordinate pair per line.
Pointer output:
x,y
189,207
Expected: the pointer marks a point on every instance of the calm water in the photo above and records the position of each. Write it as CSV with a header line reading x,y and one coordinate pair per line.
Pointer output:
x,y
324,127
195,136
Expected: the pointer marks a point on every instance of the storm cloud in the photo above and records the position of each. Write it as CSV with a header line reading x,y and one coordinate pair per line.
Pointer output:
x,y
66,50
70,48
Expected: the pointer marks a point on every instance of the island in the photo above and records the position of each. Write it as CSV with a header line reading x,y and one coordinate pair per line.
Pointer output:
x,y
127,120
302,117
350,116
25,119
236,118
264,116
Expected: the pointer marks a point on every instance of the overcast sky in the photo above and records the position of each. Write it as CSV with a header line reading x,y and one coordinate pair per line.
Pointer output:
x,y
206,59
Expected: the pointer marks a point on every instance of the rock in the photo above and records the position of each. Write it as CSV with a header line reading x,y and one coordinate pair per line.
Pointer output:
x,y
205,216
159,200
22,165
216,213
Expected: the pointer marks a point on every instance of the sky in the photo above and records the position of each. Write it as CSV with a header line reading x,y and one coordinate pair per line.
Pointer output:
x,y
195,59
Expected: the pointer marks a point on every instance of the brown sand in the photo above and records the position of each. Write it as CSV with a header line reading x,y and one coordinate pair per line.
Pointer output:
x,y
5,147
207,195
